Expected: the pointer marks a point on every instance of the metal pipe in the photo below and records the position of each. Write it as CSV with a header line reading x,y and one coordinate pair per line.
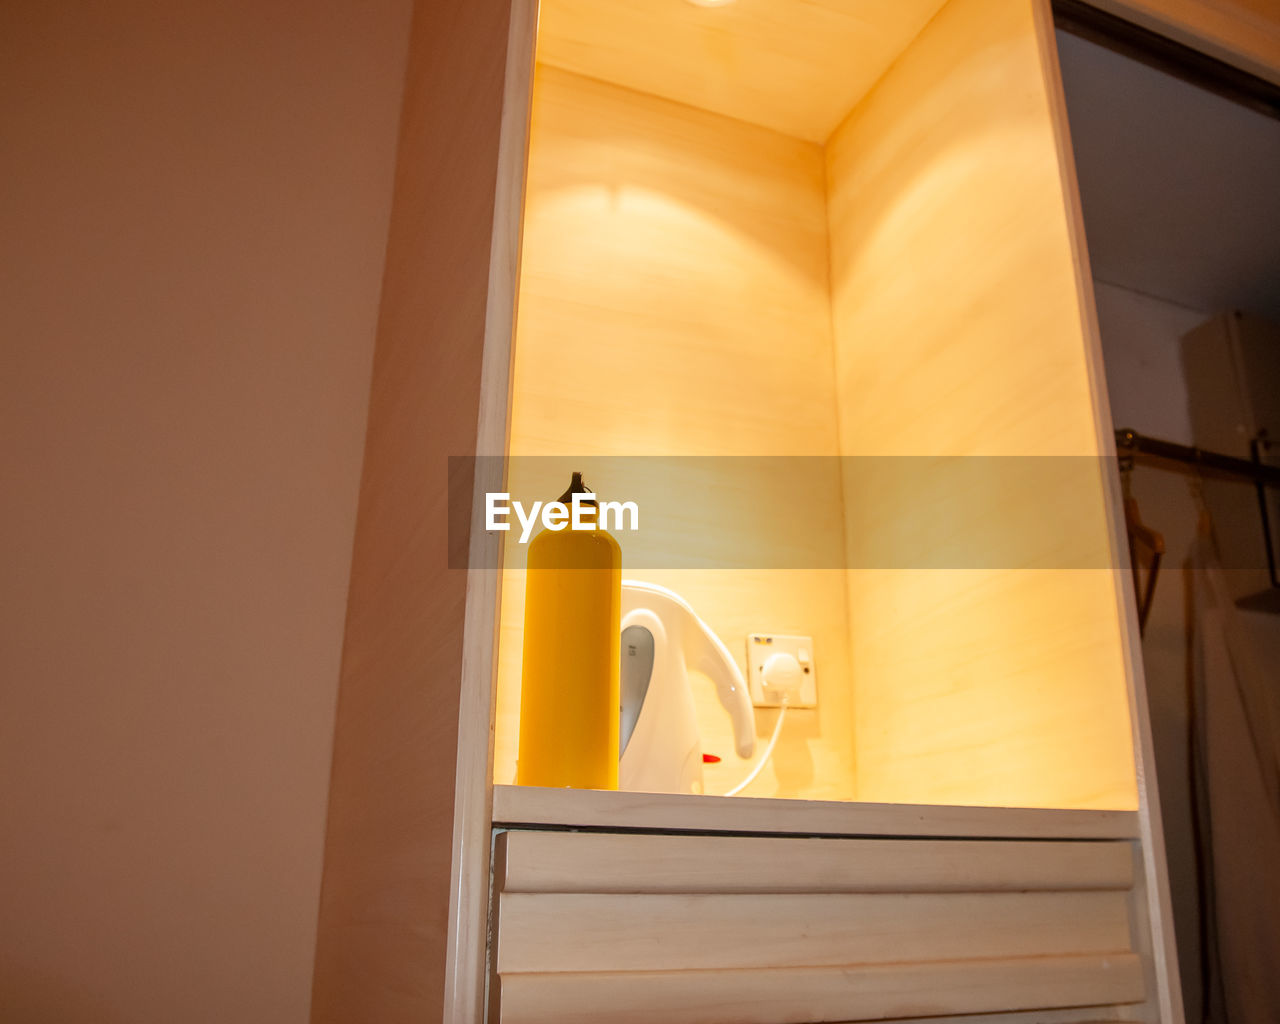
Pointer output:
x,y
1130,442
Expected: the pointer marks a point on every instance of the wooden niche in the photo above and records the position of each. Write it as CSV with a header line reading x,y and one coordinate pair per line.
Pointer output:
x,y
766,229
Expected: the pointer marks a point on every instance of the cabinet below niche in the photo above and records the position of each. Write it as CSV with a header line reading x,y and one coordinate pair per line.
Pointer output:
x,y
1015,911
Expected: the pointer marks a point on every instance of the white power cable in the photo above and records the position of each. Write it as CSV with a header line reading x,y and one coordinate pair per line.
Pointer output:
x,y
781,675
764,758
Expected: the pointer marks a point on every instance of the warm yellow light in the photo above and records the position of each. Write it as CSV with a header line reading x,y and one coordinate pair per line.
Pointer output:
x,y
710,3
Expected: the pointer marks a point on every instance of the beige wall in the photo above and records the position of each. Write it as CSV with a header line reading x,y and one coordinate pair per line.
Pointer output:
x,y
194,209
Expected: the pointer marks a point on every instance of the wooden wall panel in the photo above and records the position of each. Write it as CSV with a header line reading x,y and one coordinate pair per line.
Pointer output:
x,y
396,929
674,301
795,68
959,333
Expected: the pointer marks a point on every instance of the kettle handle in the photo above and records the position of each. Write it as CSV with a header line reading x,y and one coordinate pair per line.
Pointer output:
x,y
638,667
708,654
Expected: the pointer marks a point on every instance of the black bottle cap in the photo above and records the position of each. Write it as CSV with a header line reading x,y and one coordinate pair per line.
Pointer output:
x,y
576,486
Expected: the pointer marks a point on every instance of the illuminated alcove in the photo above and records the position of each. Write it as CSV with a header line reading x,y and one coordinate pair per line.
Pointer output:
x,y
835,230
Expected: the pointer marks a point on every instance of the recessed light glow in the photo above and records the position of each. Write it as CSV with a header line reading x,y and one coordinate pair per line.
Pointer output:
x,y
710,3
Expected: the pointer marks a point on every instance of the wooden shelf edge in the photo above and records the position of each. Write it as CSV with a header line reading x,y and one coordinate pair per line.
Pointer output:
x,y
515,806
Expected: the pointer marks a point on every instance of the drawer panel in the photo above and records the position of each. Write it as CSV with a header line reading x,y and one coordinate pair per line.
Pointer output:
x,y
726,929
602,862
799,995
659,931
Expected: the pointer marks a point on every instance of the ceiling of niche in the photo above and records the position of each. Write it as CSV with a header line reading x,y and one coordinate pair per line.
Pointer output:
x,y
1180,187
796,66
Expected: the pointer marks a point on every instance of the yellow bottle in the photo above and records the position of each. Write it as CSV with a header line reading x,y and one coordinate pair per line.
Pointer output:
x,y
569,680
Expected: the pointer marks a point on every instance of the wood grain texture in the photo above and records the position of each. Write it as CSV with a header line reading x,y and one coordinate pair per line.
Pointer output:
x,y
795,68
541,932
1244,33
958,333
674,301
584,862
1073,1015
388,880
467,951
800,996
528,805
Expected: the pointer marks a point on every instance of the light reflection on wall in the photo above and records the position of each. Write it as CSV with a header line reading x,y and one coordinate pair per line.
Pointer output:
x,y
674,301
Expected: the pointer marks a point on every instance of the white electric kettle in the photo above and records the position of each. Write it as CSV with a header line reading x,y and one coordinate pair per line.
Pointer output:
x,y
662,638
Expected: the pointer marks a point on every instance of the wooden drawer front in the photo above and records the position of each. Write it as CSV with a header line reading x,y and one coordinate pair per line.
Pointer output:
x,y
633,928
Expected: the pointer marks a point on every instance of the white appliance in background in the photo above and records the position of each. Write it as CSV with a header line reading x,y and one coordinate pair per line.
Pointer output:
x,y
662,638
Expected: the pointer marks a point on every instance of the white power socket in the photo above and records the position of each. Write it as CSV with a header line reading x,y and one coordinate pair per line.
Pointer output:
x,y
760,646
